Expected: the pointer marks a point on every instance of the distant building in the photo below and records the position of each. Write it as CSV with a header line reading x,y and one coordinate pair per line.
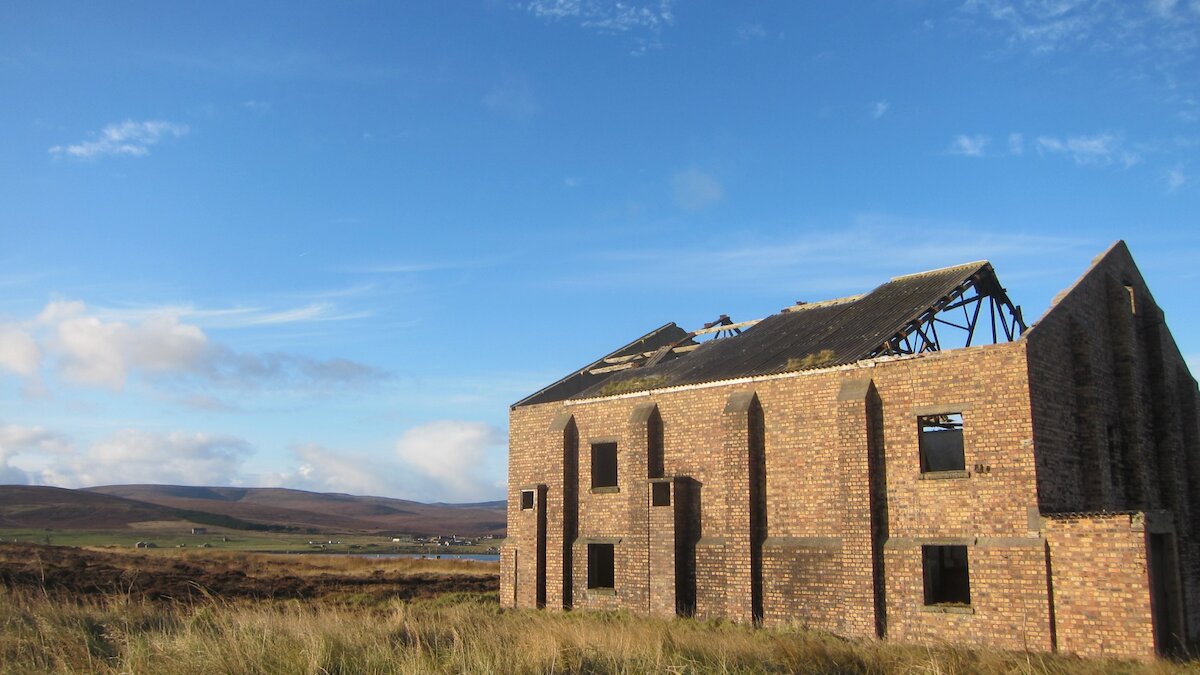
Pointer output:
x,y
199,530
853,465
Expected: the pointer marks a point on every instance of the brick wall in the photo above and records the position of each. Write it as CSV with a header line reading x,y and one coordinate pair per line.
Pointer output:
x,y
799,498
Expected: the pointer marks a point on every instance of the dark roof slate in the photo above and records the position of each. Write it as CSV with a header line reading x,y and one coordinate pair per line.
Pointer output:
x,y
821,335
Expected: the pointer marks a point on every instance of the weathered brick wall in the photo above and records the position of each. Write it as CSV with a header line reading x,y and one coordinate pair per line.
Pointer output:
x,y
825,527
1101,586
1009,605
1114,409
809,486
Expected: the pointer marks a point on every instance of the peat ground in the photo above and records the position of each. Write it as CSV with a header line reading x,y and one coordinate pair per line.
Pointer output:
x,y
177,575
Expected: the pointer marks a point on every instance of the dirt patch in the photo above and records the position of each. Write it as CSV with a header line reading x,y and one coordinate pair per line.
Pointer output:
x,y
81,572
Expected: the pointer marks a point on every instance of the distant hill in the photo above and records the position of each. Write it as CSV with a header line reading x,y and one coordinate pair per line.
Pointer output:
x,y
319,510
28,506
120,506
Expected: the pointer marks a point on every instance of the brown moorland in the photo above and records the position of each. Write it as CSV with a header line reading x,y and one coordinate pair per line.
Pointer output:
x,y
191,575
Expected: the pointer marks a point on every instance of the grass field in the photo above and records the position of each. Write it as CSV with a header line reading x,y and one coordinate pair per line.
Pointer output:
x,y
455,633
397,616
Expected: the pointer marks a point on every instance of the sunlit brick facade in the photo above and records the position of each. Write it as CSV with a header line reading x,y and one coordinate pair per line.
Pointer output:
x,y
1064,516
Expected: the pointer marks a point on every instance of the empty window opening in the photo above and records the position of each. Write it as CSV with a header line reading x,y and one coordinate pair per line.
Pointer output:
x,y
660,494
947,579
942,442
601,566
526,500
604,465
1132,298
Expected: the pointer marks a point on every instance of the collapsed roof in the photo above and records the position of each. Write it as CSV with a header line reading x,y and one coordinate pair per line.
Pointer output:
x,y
929,311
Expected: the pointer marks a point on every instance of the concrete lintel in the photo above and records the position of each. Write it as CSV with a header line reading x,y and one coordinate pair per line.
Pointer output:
x,y
939,409
642,413
561,421
1010,542
916,542
710,542
740,402
583,541
855,390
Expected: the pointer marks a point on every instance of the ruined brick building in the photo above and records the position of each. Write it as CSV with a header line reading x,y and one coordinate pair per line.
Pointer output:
x,y
913,463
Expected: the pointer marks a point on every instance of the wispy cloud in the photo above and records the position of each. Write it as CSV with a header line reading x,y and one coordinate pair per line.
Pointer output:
x,y
81,347
123,139
751,31
696,190
512,97
969,146
644,18
257,107
1016,144
1097,150
836,259
1139,37
879,109
1175,178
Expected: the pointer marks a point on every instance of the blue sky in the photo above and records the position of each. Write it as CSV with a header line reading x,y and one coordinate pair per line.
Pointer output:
x,y
325,245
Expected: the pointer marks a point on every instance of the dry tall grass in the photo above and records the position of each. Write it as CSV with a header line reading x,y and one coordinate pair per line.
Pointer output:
x,y
452,634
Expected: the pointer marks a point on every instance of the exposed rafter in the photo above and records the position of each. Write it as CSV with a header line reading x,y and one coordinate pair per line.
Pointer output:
x,y
978,309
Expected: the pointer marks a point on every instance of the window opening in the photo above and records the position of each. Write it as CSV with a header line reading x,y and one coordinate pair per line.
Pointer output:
x,y
604,465
526,500
601,566
660,494
947,579
942,442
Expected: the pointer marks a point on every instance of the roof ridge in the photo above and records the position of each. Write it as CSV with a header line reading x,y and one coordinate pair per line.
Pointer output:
x,y
974,263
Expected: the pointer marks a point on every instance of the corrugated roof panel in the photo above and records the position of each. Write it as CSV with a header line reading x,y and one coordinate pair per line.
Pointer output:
x,y
824,335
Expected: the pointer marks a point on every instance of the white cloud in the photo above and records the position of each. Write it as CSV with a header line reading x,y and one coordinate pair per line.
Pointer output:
x,y
136,456
16,440
19,353
94,352
91,349
969,146
1016,144
128,138
879,109
1097,150
607,15
444,460
751,31
696,190
643,19
514,98
257,107
323,469
450,452
571,182
1175,179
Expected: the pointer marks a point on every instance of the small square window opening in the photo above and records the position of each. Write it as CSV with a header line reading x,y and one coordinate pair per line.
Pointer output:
x,y
942,442
604,465
526,500
946,574
601,567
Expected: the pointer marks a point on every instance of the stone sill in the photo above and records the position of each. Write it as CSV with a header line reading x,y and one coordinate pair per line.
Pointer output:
x,y
602,591
948,609
604,490
945,475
